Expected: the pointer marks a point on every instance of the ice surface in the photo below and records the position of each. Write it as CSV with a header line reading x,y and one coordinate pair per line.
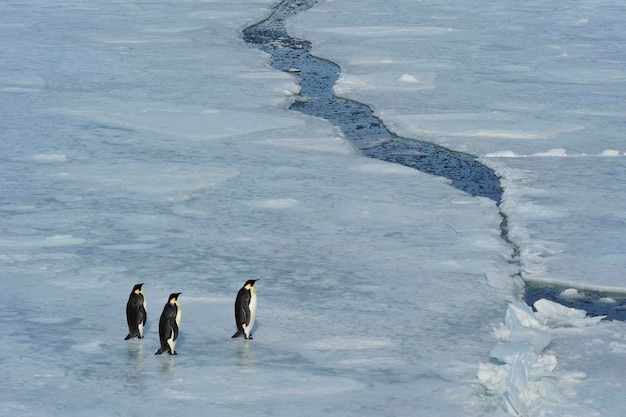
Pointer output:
x,y
145,142
546,86
535,89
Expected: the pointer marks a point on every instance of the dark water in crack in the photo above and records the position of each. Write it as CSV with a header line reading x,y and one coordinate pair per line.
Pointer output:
x,y
317,77
595,304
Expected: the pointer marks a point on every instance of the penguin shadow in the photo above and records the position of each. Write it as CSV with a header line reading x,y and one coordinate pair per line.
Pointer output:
x,y
136,370
245,348
167,365
135,351
245,354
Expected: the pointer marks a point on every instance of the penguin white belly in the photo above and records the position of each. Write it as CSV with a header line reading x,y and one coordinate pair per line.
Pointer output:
x,y
179,314
172,343
140,326
248,328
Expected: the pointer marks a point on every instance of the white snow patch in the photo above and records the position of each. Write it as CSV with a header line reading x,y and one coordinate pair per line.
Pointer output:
x,y
351,344
572,294
50,157
407,78
90,347
279,203
560,152
557,315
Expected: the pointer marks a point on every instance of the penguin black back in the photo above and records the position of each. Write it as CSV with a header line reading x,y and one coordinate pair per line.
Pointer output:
x,y
136,314
169,325
245,309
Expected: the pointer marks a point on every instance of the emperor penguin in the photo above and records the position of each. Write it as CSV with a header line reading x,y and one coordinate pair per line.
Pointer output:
x,y
245,309
136,314
169,323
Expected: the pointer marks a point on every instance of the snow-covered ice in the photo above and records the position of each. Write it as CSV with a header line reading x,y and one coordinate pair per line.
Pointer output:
x,y
145,142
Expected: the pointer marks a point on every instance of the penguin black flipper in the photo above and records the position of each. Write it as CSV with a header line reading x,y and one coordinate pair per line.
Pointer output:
x,y
144,316
244,308
174,327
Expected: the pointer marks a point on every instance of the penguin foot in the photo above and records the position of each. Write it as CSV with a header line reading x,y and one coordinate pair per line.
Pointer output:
x,y
130,336
173,352
249,337
236,334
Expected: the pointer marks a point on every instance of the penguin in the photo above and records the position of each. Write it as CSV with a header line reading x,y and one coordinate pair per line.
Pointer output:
x,y
136,314
169,323
245,309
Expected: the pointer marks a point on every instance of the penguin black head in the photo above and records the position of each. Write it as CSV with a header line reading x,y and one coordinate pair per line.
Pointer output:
x,y
174,296
250,282
137,287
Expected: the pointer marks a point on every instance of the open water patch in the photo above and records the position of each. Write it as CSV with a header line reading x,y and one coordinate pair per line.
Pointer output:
x,y
317,77
356,120
595,304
